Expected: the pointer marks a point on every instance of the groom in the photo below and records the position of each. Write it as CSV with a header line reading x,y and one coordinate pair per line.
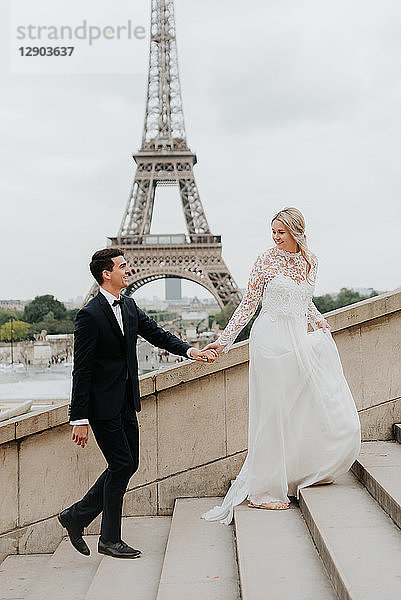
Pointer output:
x,y
105,394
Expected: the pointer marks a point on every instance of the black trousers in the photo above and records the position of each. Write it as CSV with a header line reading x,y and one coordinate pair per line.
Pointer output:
x,y
118,439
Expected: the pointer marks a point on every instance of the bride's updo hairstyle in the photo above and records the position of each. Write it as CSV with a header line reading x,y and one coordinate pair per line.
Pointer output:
x,y
294,220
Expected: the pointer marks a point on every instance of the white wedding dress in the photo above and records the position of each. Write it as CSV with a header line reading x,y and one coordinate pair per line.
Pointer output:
x,y
303,423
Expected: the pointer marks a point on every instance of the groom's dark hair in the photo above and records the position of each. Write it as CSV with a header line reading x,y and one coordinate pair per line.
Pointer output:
x,y
101,261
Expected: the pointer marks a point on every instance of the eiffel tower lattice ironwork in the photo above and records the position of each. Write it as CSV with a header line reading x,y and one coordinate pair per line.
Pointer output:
x,y
165,159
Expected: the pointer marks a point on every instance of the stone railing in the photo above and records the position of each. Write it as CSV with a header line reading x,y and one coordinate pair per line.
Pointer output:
x,y
193,427
368,338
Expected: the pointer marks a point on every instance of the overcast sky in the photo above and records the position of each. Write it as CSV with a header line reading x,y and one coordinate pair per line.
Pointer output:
x,y
286,102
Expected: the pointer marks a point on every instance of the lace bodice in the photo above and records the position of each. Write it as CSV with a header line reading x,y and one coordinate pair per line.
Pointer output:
x,y
278,278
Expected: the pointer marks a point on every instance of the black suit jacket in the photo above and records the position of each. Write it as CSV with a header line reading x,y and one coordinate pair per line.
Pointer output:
x,y
105,360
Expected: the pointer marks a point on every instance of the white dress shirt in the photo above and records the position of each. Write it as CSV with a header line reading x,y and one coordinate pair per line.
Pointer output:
x,y
117,313
116,309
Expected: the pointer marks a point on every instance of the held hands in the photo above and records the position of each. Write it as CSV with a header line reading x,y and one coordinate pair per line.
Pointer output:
x,y
215,348
80,435
324,325
203,355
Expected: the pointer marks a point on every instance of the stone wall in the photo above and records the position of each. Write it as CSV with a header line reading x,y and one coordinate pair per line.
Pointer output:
x,y
193,428
368,338
36,353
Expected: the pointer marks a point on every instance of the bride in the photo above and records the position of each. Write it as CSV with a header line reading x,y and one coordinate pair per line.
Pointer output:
x,y
303,425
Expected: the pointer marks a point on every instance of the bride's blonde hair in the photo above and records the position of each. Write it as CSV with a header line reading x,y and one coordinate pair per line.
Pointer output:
x,y
294,220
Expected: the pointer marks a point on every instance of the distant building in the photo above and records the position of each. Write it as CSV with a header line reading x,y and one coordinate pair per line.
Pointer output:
x,y
73,302
173,288
364,291
209,302
13,304
190,333
184,303
194,315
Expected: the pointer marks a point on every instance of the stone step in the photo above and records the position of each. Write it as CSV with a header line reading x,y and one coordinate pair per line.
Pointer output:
x,y
200,557
397,432
18,573
359,544
378,467
276,556
68,574
141,575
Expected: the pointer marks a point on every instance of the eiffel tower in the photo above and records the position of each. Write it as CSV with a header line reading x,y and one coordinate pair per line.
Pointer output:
x,y
165,159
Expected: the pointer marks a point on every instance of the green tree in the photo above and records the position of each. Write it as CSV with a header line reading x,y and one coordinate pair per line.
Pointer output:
x,y
52,326
345,297
41,306
6,315
324,303
17,330
162,315
71,314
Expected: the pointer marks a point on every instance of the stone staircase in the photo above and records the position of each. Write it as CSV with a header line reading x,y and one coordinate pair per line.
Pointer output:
x,y
341,541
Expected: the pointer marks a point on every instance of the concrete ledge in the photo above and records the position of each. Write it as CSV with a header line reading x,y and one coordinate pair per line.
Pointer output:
x,y
199,562
66,576
275,553
34,422
377,421
42,537
123,579
18,575
190,370
366,310
378,467
147,384
16,410
358,543
7,432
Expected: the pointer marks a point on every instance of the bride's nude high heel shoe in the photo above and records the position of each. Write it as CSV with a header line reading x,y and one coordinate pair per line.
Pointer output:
x,y
275,505
325,481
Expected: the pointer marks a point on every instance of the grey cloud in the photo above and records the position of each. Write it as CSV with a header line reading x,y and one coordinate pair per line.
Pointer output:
x,y
286,103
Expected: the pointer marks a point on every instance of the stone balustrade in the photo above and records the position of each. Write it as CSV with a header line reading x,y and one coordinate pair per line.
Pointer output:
x,y
193,428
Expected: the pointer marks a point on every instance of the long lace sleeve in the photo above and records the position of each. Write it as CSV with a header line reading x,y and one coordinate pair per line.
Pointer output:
x,y
314,316
247,306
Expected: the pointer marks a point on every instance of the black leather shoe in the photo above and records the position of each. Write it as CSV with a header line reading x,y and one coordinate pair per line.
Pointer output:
x,y
74,531
117,549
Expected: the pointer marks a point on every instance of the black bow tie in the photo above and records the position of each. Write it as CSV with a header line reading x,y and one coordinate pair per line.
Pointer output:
x,y
120,302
